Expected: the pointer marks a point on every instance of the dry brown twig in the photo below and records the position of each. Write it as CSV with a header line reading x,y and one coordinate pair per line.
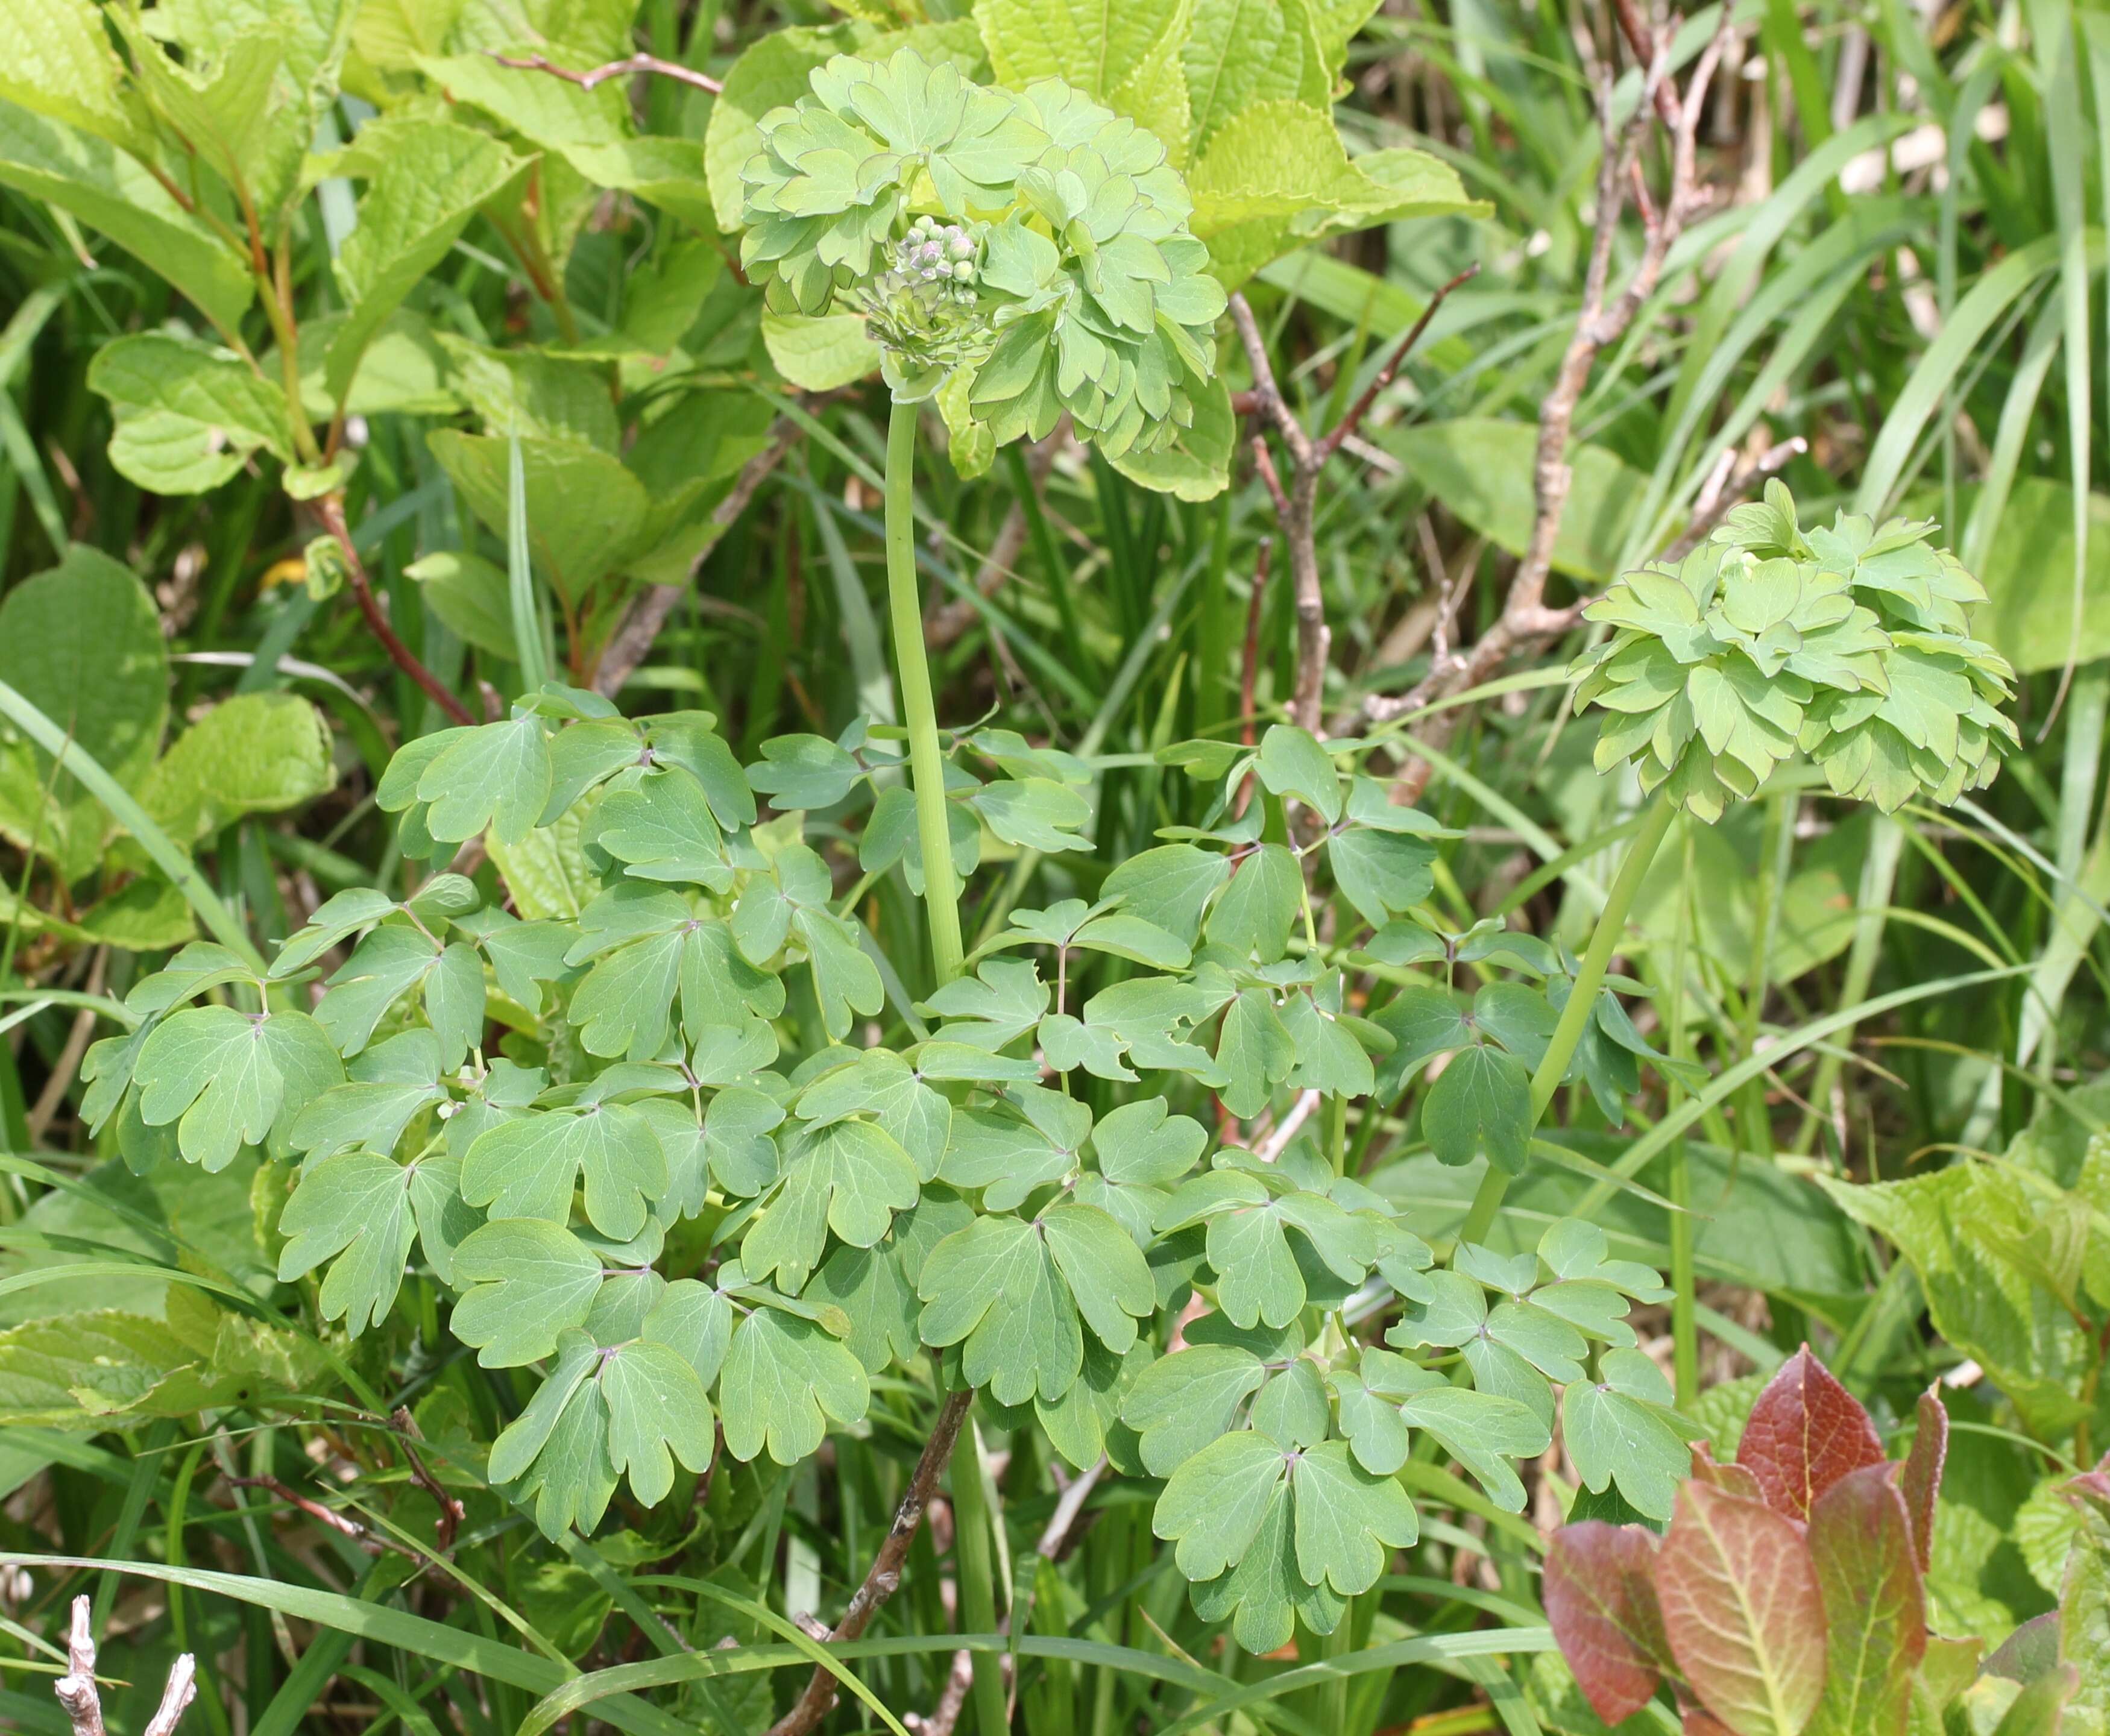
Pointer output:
x,y
363,1536
1731,481
631,642
82,1702
1526,619
1295,503
588,80
883,1576
448,1524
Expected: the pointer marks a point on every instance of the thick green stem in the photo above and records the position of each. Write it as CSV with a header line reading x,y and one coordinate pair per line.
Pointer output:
x,y
1754,1126
1582,1003
1684,1283
927,757
976,1561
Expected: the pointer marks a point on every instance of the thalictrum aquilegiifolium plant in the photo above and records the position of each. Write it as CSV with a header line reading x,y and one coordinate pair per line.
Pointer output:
x,y
722,1173
681,1190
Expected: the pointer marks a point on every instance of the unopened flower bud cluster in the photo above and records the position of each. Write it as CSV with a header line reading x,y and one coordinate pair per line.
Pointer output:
x,y
934,252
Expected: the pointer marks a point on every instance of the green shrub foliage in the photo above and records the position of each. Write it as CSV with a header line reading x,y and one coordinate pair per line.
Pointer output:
x,y
689,1184
1070,282
1850,645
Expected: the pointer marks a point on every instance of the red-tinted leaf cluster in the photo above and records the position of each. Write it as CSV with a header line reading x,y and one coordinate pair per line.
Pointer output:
x,y
1786,1595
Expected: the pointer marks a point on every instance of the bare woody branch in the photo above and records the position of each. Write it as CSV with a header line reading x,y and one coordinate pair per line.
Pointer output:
x,y
1662,92
82,1702
177,1694
1297,507
1295,503
1732,480
1345,428
631,642
883,1576
586,80
1526,620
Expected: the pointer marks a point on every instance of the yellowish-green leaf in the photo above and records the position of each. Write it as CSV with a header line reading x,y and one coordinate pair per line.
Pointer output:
x,y
113,193
820,354
257,754
426,179
58,61
188,415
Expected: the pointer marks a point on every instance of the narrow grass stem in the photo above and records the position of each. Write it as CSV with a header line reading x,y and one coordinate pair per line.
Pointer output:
x,y
926,758
977,1576
1582,1003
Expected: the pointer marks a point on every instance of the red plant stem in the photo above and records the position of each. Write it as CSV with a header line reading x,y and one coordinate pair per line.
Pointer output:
x,y
331,509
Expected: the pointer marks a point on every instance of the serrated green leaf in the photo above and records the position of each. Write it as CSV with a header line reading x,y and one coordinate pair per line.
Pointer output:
x,y
1181,1403
1348,1520
656,1412
1622,1428
1254,1052
228,1079
1292,763
1034,814
1213,1505
663,830
804,771
876,1287
1257,1274
1169,886
1253,915
848,1178
844,980
188,415
1011,1292
497,776
1381,874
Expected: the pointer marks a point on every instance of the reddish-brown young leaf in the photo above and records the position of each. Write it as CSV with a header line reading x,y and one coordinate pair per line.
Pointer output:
x,y
1694,1719
1600,1603
1806,1433
1742,1612
1735,1478
1875,1608
2023,1657
1921,1482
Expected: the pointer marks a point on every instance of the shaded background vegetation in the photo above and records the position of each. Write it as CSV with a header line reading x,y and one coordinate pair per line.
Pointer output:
x,y
1889,295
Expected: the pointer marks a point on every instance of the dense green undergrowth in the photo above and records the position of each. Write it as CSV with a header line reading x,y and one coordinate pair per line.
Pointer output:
x,y
838,897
